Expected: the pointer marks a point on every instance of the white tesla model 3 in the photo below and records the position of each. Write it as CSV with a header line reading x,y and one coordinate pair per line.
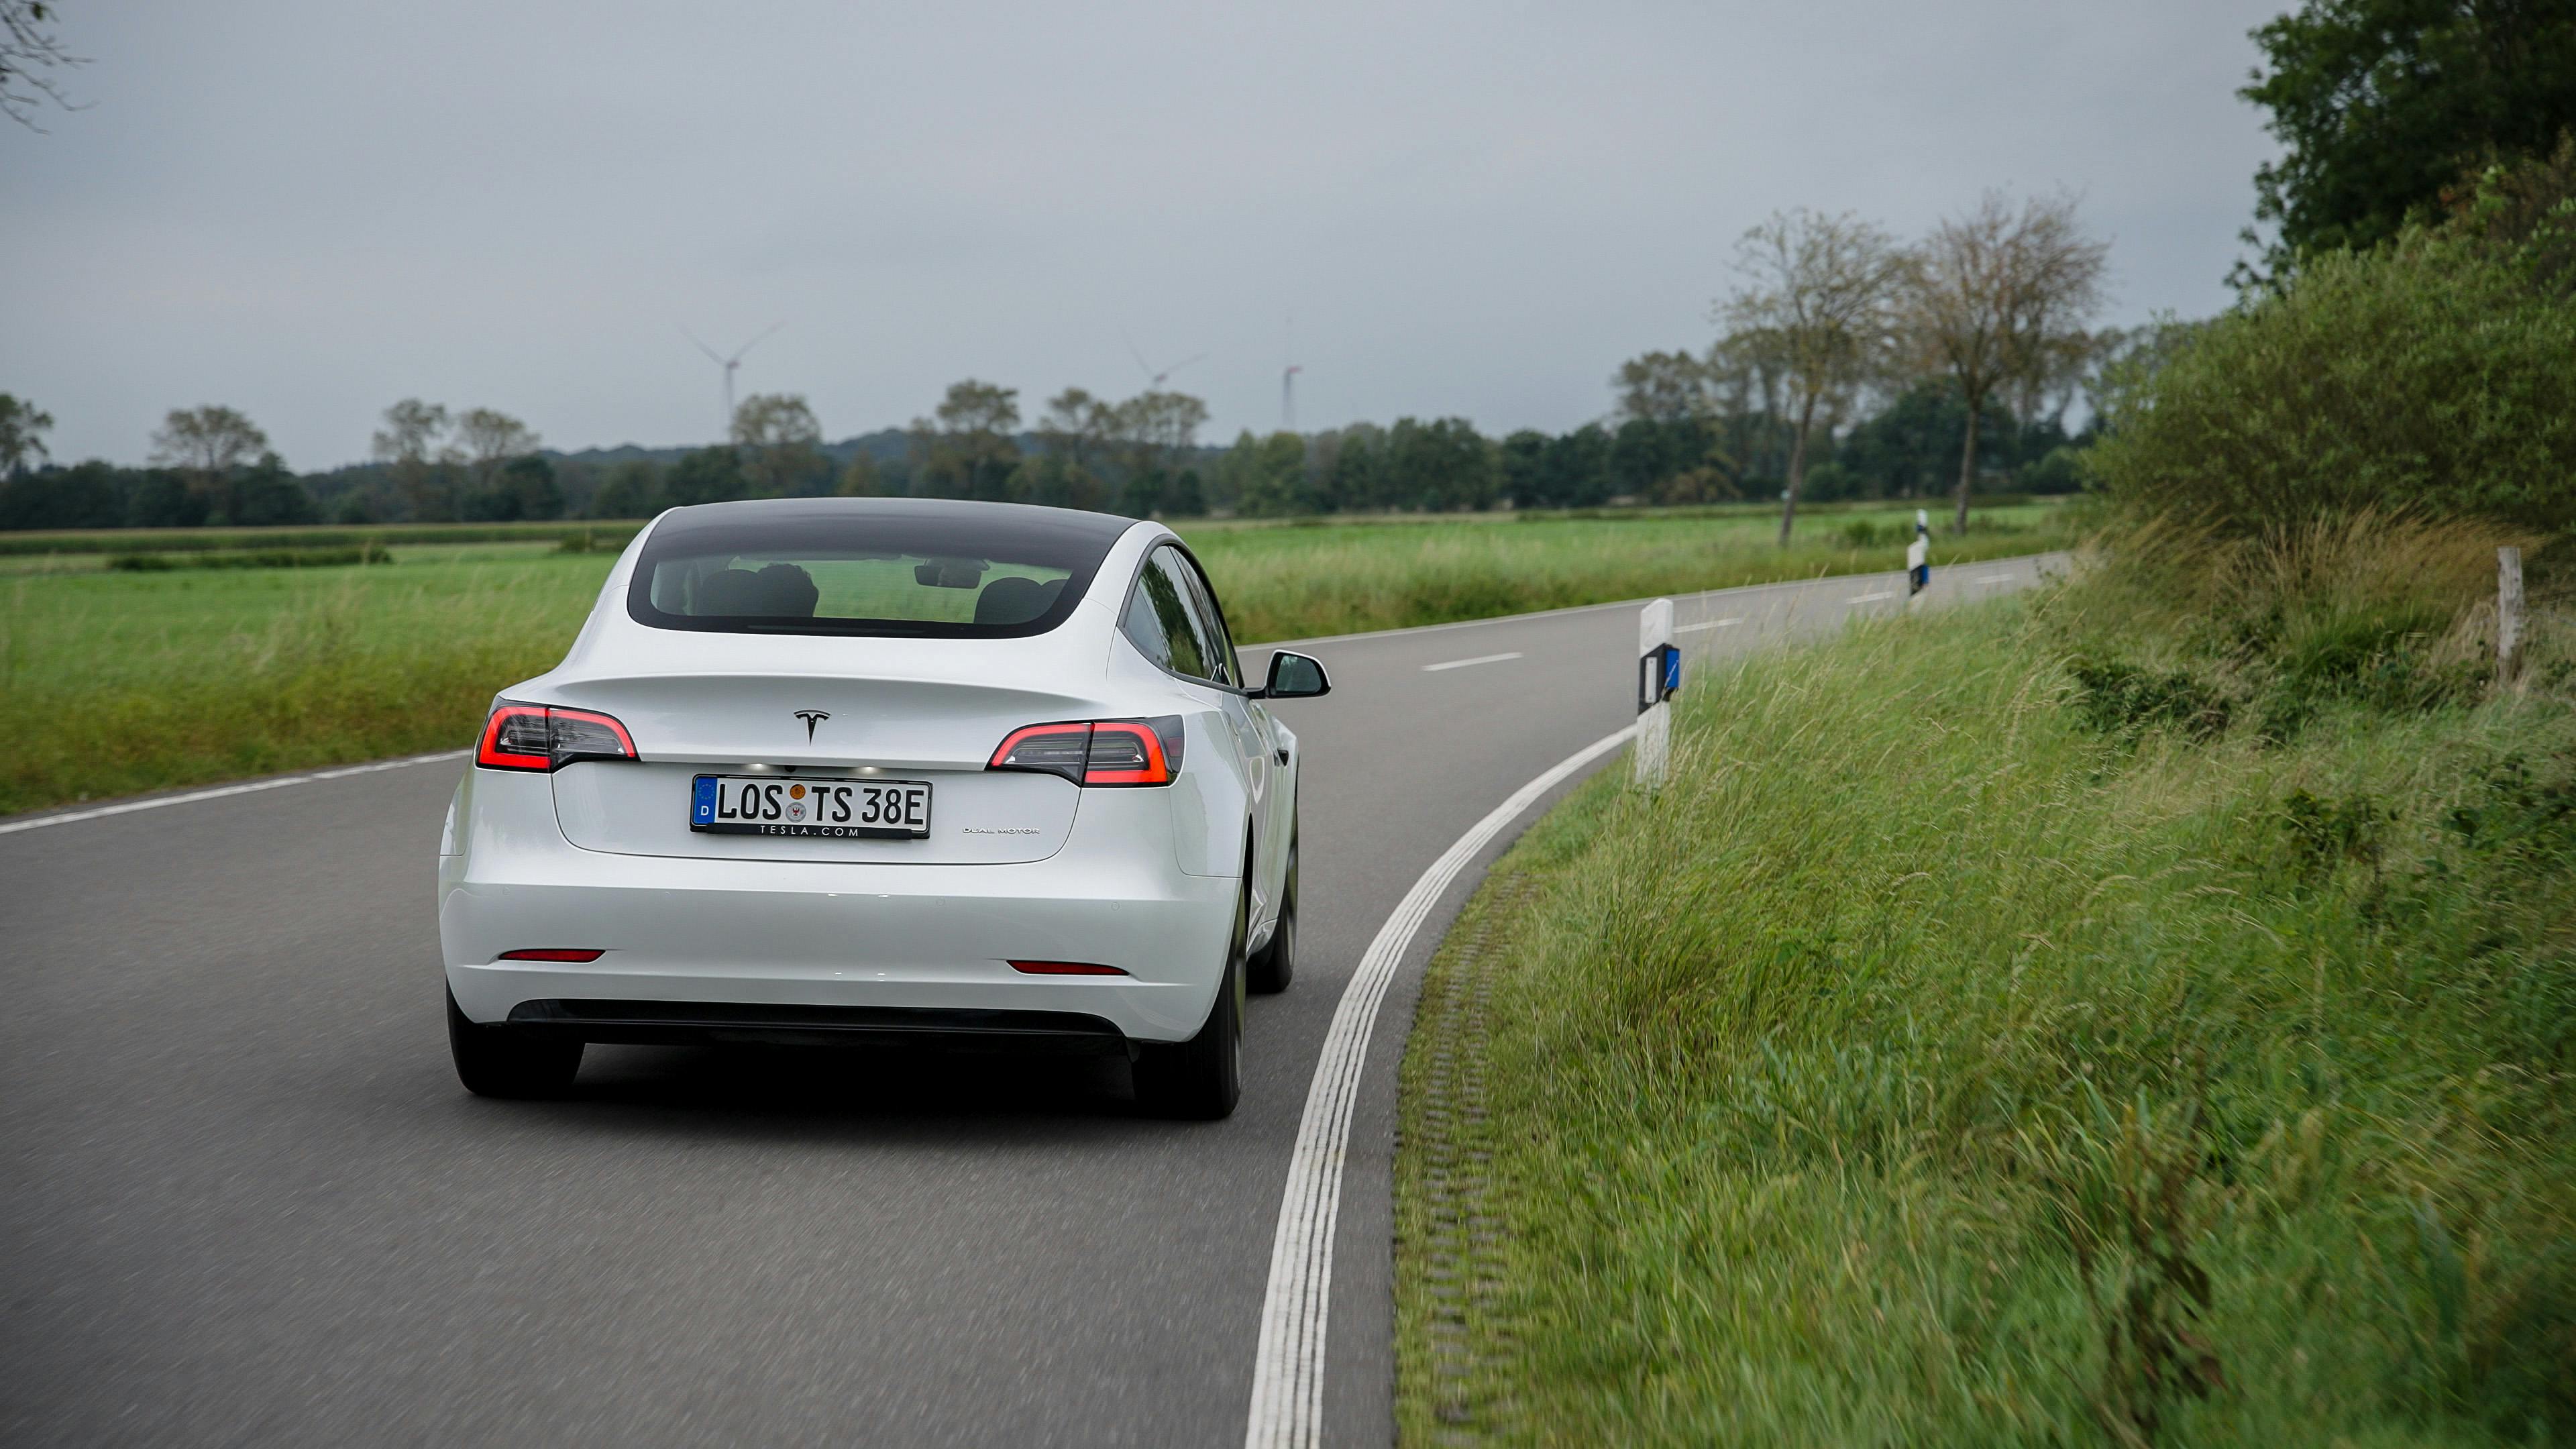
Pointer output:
x,y
871,770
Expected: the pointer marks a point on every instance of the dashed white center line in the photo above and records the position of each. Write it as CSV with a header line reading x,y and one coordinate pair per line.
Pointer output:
x,y
1995,579
1464,663
1705,624
1872,598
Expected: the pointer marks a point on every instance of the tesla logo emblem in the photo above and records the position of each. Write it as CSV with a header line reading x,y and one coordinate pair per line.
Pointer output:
x,y
812,717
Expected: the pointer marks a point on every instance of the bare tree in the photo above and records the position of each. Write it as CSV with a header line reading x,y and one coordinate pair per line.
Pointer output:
x,y
22,433
780,441
412,445
1663,387
29,53
487,440
1822,287
1744,369
1998,299
1078,427
412,431
969,445
1154,425
206,444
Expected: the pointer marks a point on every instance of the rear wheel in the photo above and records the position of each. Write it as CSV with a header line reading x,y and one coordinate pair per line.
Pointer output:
x,y
1201,1078
1276,965
495,1061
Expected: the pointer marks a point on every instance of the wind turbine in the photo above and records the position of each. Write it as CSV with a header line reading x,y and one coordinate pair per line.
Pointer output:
x,y
1154,379
729,364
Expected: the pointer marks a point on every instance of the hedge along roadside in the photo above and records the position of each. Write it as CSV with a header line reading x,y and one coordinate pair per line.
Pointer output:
x,y
263,558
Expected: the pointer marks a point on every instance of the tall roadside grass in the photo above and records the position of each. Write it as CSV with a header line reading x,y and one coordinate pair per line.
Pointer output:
x,y
2047,1024
116,682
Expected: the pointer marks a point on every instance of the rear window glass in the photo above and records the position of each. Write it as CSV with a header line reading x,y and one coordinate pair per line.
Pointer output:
x,y
869,566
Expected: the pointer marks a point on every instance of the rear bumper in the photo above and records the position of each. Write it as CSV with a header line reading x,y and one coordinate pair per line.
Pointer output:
x,y
843,951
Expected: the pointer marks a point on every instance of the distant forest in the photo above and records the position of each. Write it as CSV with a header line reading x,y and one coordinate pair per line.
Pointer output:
x,y
1140,457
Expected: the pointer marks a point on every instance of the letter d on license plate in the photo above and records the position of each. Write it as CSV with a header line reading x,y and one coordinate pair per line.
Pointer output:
x,y
833,809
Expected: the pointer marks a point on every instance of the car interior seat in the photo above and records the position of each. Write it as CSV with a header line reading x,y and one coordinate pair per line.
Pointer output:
x,y
1008,601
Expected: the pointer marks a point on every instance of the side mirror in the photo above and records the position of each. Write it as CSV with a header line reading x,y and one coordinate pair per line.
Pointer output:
x,y
1296,676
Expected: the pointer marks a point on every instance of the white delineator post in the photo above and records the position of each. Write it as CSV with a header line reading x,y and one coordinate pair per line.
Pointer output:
x,y
2508,617
1918,558
1659,678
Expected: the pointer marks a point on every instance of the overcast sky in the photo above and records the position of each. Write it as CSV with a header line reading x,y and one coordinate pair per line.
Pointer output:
x,y
307,209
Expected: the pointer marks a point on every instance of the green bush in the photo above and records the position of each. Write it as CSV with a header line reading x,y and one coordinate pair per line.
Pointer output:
x,y
2061,471
2119,698
2431,375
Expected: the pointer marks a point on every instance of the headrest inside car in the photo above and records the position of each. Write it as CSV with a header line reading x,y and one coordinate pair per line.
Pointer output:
x,y
1010,601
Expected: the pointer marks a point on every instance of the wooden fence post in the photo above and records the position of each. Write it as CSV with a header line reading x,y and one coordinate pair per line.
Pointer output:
x,y
2508,617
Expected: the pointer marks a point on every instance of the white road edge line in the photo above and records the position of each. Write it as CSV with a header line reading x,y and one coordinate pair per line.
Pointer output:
x,y
1706,624
1288,1369
1465,663
1871,598
255,786
1995,579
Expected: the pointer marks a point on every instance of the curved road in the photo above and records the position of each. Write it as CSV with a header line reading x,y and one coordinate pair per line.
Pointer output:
x,y
245,1200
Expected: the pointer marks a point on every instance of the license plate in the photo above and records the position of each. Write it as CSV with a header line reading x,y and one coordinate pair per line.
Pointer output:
x,y
834,809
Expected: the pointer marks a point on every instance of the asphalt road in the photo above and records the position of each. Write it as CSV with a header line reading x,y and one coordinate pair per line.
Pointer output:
x,y
245,1201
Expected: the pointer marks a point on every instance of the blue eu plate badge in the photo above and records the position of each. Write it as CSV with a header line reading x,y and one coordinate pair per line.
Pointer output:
x,y
703,808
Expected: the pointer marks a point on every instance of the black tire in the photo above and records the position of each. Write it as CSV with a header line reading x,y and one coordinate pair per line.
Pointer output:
x,y
495,1061
1200,1079
1275,966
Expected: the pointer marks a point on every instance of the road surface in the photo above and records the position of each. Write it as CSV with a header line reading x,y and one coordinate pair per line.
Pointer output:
x,y
246,1202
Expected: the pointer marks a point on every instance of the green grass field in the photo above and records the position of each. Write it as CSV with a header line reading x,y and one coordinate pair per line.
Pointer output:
x,y
1976,1045
112,683
1287,581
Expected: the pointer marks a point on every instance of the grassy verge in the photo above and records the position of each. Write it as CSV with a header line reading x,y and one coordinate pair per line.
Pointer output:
x,y
114,682
1975,1046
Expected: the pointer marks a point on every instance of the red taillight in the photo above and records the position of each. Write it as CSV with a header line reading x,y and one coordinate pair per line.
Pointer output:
x,y
1096,752
1125,752
1049,749
551,953
546,737
1064,968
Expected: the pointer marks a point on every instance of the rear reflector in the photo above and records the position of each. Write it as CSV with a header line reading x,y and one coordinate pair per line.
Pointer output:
x,y
551,953
1096,752
546,737
1064,968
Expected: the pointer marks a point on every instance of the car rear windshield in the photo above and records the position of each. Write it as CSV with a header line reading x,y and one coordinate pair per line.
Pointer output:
x,y
900,567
